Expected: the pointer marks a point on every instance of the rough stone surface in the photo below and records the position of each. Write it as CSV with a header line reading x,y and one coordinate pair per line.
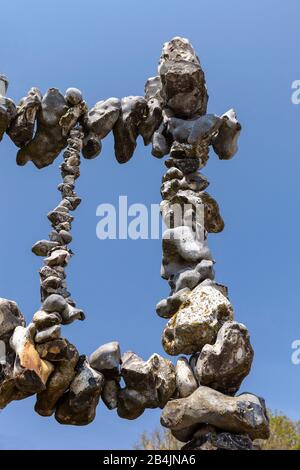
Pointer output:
x,y
110,393
21,128
244,414
220,441
134,110
30,371
107,359
78,406
98,122
224,365
197,321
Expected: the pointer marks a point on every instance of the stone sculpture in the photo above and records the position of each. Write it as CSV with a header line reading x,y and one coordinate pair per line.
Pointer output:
x,y
198,393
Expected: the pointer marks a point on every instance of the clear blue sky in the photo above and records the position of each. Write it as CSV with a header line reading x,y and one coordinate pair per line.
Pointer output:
x,y
250,56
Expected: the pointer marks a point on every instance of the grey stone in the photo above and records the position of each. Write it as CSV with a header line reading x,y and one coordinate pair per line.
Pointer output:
x,y
155,103
220,441
98,122
73,96
244,414
78,406
131,404
186,383
54,303
224,365
183,81
30,371
8,109
55,350
58,257
166,308
197,321
110,393
42,247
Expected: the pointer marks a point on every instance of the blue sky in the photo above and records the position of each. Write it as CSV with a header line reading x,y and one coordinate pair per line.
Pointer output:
x,y
249,52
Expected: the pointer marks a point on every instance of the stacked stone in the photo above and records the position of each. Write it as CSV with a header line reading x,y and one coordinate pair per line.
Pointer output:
x,y
206,414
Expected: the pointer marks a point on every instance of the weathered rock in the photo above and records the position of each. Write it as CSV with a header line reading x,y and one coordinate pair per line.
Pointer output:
x,y
220,441
30,371
166,308
44,320
244,414
8,389
131,404
134,110
183,81
224,365
73,96
42,247
107,359
155,378
110,393
225,142
197,321
186,383
58,382
10,317
55,350
154,101
78,406
190,278
53,332
54,303
58,258
48,140
21,128
7,107
98,122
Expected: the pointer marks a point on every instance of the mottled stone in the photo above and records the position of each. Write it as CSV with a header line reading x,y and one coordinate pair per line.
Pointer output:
x,y
244,414
58,383
55,350
78,406
190,278
107,359
186,383
73,96
98,122
224,365
21,128
197,321
134,110
183,81
48,141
